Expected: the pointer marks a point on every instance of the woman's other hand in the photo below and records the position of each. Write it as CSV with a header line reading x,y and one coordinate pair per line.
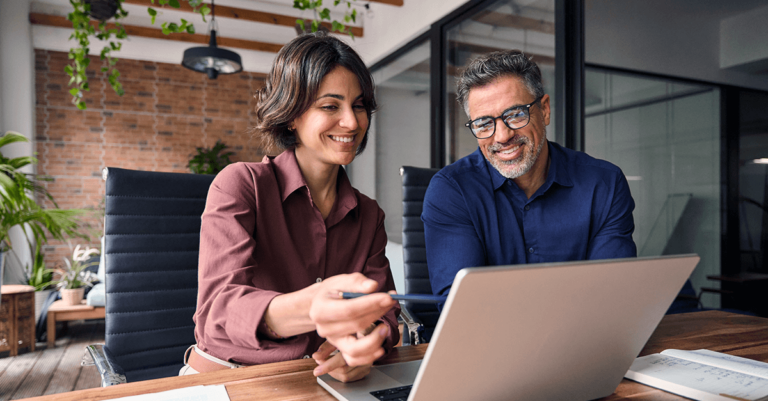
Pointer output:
x,y
331,362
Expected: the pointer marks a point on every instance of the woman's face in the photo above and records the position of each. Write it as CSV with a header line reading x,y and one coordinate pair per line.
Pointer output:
x,y
333,127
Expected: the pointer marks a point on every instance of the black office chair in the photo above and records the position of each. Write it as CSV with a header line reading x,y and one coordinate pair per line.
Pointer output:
x,y
420,319
152,230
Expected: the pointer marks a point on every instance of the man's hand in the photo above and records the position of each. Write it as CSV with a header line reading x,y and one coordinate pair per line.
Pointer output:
x,y
340,321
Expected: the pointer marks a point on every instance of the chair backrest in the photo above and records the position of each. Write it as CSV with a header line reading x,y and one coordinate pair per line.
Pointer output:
x,y
415,182
152,240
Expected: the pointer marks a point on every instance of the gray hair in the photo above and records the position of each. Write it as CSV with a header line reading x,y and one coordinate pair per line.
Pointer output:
x,y
484,69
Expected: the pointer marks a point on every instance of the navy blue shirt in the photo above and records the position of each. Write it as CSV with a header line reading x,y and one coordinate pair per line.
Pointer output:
x,y
474,216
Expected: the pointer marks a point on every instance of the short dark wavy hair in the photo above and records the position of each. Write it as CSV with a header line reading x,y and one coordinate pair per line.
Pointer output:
x,y
292,84
486,68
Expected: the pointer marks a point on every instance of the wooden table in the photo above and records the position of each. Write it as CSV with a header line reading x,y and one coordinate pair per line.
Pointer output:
x,y
17,318
60,312
740,335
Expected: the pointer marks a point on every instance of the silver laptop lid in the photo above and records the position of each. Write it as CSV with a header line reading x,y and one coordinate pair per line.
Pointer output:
x,y
565,331
556,331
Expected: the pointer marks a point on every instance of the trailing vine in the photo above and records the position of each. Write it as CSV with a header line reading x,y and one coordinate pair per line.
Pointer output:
x,y
85,26
324,13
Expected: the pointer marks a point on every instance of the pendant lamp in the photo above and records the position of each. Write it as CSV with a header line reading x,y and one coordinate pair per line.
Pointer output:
x,y
210,59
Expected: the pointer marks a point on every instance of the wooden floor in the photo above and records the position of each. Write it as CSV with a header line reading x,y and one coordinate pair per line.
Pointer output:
x,y
52,371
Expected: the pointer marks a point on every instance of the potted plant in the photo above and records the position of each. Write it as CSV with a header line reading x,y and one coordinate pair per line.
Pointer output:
x,y
209,160
19,209
73,277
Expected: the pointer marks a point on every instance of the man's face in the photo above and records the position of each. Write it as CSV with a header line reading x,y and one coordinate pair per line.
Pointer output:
x,y
514,153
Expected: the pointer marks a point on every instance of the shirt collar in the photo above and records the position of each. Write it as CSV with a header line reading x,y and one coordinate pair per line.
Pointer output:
x,y
558,169
289,175
290,179
346,200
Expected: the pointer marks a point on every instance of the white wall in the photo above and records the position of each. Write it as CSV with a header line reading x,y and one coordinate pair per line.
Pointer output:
x,y
17,101
676,38
403,139
744,41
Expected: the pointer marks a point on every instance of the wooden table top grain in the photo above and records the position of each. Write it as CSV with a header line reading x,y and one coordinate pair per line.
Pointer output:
x,y
734,334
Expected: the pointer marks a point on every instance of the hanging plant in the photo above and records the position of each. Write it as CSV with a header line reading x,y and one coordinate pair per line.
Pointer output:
x,y
324,13
89,19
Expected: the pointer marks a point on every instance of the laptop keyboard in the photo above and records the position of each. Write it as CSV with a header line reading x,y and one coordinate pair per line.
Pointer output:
x,y
393,394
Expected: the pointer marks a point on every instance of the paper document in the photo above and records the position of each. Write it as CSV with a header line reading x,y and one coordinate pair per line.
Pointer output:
x,y
703,375
196,393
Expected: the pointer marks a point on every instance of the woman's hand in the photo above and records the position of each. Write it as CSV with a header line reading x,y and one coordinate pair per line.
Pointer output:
x,y
340,321
331,362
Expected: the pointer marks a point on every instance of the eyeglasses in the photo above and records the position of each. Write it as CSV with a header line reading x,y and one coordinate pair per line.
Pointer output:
x,y
514,118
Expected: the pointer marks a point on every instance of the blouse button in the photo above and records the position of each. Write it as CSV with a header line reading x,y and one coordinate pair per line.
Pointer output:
x,y
319,280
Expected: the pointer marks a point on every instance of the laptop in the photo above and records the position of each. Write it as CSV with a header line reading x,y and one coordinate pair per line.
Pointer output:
x,y
551,331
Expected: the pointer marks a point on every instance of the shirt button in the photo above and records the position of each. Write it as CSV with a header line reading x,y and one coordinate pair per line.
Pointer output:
x,y
319,280
527,207
530,250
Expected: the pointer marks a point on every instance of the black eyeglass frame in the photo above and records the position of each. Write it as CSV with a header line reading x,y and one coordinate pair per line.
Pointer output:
x,y
526,110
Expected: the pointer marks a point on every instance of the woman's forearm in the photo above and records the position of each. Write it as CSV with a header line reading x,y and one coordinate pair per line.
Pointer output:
x,y
288,314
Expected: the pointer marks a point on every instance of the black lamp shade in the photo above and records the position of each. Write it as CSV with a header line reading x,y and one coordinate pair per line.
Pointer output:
x,y
102,10
212,60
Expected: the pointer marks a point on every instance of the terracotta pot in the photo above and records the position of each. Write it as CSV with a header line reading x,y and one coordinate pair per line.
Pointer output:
x,y
72,297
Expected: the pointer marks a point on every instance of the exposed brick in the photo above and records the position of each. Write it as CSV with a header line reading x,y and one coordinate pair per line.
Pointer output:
x,y
156,125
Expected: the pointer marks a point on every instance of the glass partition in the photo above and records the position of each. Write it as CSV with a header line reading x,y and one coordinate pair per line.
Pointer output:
x,y
665,136
753,180
502,25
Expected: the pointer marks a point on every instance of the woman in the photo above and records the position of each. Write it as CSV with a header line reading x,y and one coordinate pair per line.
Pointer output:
x,y
281,238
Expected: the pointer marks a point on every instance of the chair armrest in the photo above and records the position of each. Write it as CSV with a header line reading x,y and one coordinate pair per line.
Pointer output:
x,y
111,373
413,326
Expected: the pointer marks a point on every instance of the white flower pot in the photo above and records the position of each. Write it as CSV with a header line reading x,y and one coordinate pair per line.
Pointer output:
x,y
40,297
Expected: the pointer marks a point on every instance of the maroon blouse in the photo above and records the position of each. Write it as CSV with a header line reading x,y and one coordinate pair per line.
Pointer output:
x,y
262,236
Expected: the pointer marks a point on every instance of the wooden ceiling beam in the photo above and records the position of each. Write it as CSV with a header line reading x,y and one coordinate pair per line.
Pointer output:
x,y
247,15
62,22
398,3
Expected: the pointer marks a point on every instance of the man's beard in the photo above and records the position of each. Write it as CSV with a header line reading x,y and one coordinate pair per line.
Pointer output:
x,y
514,168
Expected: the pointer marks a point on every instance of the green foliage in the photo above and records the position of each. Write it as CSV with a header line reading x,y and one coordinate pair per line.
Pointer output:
x,y
209,161
73,274
39,277
324,13
18,206
86,27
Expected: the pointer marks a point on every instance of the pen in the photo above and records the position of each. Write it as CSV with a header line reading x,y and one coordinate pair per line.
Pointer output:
x,y
419,298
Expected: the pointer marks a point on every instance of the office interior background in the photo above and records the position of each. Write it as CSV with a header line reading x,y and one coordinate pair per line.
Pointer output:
x,y
675,92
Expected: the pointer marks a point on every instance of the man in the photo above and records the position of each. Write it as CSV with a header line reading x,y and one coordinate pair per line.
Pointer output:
x,y
519,198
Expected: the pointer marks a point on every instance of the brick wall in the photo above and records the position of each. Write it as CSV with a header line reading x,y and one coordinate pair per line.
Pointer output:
x,y
166,112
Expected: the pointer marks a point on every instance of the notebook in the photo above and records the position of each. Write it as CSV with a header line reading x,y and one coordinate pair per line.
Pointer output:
x,y
551,331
